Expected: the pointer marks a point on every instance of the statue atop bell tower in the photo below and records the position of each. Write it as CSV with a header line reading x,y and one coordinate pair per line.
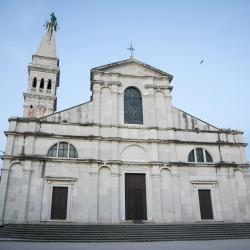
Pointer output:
x,y
40,99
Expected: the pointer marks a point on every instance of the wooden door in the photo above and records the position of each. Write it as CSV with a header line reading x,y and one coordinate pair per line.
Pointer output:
x,y
59,203
205,204
135,197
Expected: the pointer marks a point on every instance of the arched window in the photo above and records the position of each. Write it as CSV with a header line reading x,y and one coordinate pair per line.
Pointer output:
x,y
49,84
191,156
63,150
133,106
208,157
42,83
199,155
34,83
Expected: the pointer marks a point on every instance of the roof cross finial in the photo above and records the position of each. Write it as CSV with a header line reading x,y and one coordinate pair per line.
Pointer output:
x,y
132,49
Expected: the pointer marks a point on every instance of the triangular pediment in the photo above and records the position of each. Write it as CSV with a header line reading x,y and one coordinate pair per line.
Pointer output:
x,y
132,67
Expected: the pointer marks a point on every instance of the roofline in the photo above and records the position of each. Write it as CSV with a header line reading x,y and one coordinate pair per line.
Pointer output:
x,y
40,118
170,77
197,118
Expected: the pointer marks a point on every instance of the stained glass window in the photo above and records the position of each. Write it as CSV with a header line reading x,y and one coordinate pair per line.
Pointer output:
x,y
133,106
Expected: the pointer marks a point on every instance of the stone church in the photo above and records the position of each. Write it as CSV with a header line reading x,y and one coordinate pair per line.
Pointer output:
x,y
126,155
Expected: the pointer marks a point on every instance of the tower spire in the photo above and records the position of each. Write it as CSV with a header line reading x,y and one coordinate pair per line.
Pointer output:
x,y
47,46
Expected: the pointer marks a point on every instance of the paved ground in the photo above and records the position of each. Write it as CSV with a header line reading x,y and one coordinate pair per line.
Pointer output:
x,y
177,245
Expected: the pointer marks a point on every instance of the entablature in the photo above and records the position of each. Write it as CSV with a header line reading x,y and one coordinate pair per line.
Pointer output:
x,y
46,159
123,139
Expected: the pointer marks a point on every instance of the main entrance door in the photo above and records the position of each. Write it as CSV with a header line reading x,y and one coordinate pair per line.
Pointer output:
x,y
135,197
205,204
59,203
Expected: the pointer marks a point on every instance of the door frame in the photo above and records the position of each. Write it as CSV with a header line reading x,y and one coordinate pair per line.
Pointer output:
x,y
47,197
68,201
205,185
148,188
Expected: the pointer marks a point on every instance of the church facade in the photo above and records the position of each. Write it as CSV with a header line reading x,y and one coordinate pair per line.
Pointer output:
x,y
126,155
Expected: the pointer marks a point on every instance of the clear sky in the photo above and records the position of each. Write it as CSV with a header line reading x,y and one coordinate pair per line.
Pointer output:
x,y
173,36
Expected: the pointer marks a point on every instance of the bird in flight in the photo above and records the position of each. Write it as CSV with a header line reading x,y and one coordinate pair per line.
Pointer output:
x,y
202,61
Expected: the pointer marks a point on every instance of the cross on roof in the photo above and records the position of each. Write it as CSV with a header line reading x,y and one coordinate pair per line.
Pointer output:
x,y
132,49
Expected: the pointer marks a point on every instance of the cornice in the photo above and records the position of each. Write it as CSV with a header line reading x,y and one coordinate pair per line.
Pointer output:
x,y
120,139
44,96
131,76
119,162
45,57
106,82
38,120
158,87
43,68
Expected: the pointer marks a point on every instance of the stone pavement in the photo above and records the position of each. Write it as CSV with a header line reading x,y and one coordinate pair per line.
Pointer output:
x,y
180,245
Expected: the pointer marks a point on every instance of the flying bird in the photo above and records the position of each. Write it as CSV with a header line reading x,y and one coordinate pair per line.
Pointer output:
x,y
201,61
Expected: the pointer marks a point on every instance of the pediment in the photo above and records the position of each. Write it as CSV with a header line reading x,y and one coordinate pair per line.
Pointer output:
x,y
132,67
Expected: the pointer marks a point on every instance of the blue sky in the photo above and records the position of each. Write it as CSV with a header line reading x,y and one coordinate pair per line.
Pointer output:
x,y
173,36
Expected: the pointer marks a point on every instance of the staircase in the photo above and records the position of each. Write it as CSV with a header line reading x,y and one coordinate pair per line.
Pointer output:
x,y
123,232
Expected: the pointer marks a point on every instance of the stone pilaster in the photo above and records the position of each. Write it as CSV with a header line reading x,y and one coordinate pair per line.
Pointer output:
x,y
156,193
3,187
93,196
115,175
176,194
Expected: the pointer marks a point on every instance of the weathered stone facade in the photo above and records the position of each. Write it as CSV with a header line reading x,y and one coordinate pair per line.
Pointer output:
x,y
108,149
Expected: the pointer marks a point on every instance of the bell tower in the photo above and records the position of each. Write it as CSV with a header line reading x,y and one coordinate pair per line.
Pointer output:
x,y
44,72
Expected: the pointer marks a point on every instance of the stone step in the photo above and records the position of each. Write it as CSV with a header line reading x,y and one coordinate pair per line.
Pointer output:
x,y
121,229
137,239
124,232
128,226
127,232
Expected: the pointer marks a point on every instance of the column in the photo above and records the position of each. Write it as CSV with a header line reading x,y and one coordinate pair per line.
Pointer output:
x,y
225,192
96,101
149,117
176,188
233,188
115,175
242,195
156,194
93,196
115,102
46,198
3,188
24,207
